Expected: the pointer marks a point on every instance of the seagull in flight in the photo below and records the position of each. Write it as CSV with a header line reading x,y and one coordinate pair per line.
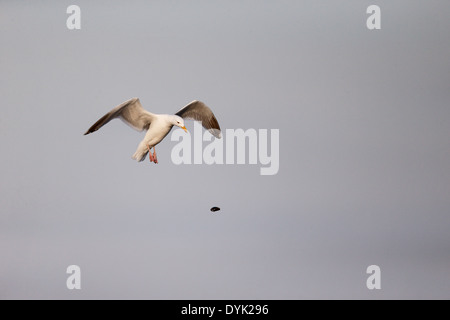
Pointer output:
x,y
157,125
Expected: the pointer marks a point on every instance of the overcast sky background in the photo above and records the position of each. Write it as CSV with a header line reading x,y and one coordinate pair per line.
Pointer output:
x,y
364,150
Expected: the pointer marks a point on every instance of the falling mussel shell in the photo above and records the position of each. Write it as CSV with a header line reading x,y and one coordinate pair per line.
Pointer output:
x,y
214,209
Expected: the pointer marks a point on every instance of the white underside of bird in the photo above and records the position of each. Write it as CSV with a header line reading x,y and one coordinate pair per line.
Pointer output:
x,y
157,125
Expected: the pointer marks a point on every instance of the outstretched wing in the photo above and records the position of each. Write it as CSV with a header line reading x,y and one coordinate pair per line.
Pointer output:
x,y
131,112
197,110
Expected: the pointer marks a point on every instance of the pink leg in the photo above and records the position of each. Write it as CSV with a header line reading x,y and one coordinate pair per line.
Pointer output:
x,y
150,154
155,159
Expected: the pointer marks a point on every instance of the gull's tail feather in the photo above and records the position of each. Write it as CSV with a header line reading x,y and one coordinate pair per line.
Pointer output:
x,y
139,157
141,152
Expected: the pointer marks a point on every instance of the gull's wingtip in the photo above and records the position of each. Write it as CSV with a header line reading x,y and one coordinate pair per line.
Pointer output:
x,y
217,133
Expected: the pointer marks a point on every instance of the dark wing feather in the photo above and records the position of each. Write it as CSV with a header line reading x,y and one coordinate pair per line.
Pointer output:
x,y
131,112
197,110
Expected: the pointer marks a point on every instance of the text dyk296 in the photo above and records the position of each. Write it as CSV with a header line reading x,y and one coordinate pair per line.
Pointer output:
x,y
241,309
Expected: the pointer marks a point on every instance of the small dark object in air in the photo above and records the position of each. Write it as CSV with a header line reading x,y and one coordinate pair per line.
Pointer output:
x,y
214,209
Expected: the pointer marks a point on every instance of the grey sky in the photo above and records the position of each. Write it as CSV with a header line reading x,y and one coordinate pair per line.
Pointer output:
x,y
364,150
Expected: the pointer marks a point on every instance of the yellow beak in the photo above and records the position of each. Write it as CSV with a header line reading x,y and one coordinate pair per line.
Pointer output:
x,y
184,128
